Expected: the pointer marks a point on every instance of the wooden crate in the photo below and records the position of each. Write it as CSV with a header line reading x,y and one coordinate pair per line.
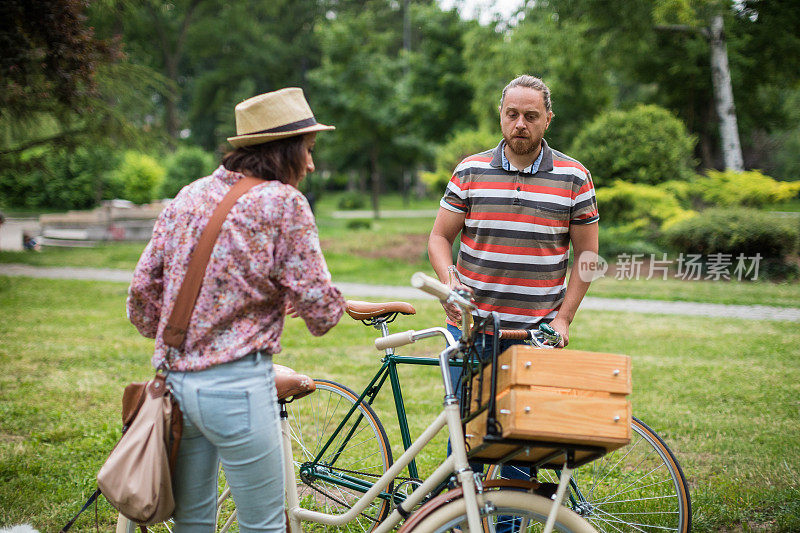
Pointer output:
x,y
556,396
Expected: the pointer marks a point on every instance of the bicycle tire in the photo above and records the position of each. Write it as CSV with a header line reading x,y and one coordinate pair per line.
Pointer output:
x,y
500,510
366,455
630,489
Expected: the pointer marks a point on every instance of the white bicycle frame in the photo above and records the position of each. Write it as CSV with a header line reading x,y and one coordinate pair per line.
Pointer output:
x,y
450,417
456,463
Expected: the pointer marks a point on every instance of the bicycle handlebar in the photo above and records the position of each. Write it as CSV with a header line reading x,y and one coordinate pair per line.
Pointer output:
x,y
544,337
430,285
407,337
438,289
395,340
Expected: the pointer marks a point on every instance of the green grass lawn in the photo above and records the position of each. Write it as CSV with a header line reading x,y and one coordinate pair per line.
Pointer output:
x,y
726,403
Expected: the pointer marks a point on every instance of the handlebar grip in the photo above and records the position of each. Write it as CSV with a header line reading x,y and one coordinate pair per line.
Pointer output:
x,y
548,329
394,340
515,334
430,285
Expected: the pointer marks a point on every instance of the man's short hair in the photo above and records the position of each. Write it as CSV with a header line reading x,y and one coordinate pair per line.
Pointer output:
x,y
531,82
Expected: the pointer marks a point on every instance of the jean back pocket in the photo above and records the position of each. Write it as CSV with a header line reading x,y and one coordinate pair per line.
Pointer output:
x,y
225,413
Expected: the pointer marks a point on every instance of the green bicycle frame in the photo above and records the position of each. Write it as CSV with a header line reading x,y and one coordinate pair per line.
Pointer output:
x,y
388,370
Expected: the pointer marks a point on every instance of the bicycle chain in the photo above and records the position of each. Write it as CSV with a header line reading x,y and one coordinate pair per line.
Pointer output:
x,y
371,475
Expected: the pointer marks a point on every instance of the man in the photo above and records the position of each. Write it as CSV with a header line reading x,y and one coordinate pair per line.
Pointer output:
x,y
518,208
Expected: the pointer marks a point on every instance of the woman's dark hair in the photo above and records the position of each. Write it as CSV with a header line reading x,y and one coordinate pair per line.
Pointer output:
x,y
282,160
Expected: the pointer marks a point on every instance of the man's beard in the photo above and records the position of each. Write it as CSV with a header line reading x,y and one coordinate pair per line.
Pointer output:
x,y
520,145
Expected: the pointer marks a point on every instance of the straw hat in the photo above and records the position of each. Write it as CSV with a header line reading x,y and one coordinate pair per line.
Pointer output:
x,y
272,116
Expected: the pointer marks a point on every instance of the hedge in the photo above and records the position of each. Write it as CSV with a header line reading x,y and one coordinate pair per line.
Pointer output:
x,y
646,144
739,231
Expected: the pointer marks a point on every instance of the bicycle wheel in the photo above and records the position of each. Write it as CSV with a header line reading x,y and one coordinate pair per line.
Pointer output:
x,y
355,458
501,511
639,487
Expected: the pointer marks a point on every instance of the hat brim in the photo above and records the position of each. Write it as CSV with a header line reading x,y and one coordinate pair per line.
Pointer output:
x,y
259,138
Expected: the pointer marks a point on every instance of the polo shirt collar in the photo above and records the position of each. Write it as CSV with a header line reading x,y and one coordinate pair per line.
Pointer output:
x,y
545,165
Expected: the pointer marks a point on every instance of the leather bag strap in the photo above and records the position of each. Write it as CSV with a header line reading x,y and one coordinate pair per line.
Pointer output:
x,y
175,332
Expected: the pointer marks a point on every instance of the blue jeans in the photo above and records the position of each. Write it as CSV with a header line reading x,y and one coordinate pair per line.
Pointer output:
x,y
230,415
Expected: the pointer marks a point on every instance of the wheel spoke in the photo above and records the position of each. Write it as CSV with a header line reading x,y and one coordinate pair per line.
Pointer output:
x,y
359,450
636,488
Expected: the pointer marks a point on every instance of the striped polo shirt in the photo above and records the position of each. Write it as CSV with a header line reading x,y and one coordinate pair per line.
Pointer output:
x,y
515,242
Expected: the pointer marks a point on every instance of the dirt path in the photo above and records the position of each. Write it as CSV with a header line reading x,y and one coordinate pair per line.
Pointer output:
x,y
362,290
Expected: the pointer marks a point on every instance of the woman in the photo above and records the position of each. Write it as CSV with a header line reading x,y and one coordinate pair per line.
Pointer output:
x,y
266,259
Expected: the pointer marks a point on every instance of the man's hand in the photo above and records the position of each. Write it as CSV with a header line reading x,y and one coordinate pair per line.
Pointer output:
x,y
562,326
440,252
452,310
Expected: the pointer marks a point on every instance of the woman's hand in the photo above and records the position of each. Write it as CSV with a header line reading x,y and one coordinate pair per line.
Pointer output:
x,y
290,311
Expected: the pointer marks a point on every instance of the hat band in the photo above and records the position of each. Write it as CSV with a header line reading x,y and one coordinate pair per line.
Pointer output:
x,y
298,125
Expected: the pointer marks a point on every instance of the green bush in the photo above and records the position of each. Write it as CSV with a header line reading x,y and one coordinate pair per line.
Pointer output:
x,y
746,189
738,231
644,206
187,164
352,200
625,239
450,154
58,179
140,177
647,144
359,223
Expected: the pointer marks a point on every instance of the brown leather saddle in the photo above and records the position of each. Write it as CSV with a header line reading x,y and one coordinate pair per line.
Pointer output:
x,y
292,385
370,311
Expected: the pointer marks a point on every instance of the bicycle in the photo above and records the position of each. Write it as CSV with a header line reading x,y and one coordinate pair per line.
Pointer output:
x,y
640,487
471,506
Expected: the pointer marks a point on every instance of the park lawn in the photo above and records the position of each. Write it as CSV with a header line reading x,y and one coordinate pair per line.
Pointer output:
x,y
726,406
329,202
383,255
721,292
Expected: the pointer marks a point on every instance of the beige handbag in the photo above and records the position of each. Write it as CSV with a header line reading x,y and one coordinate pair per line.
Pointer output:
x,y
136,478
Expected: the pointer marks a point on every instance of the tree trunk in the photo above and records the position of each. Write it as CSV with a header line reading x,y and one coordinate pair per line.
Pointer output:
x,y
376,181
172,51
171,100
723,97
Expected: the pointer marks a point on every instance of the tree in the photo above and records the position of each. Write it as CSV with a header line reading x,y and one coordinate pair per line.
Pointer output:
x,y
711,25
65,100
655,59
356,83
48,73
558,51
214,55
389,105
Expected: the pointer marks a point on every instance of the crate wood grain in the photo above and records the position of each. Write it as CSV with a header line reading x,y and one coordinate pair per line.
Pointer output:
x,y
575,369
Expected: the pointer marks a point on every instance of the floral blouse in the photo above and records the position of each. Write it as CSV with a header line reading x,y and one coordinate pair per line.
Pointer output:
x,y
267,255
